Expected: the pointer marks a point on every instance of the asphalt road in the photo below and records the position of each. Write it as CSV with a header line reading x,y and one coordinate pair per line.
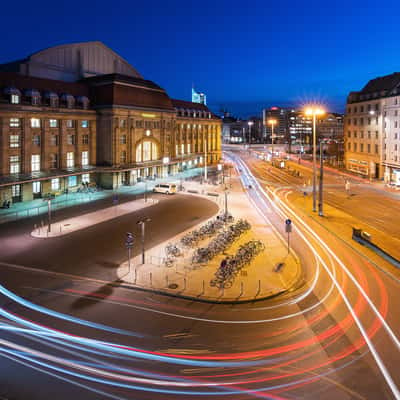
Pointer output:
x,y
334,337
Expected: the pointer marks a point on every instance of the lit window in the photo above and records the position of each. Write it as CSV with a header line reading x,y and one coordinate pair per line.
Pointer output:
x,y
70,139
188,148
70,123
14,141
54,140
72,181
182,148
70,159
53,161
86,178
85,158
36,187
15,99
85,139
122,139
14,165
55,184
122,157
16,190
53,123
85,123
35,162
15,123
35,123
122,123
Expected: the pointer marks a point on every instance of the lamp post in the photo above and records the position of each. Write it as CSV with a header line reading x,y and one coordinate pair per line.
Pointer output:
x,y
250,123
272,122
205,158
142,223
49,214
321,180
314,111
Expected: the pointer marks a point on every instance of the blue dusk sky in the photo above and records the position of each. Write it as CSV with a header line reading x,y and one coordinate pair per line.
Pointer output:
x,y
244,55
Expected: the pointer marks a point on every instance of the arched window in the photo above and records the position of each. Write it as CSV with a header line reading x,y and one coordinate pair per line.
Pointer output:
x,y
146,151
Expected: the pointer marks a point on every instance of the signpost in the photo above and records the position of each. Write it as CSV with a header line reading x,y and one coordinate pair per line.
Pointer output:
x,y
130,239
288,229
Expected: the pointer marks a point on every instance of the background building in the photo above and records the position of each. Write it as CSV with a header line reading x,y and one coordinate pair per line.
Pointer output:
x,y
372,129
198,97
93,122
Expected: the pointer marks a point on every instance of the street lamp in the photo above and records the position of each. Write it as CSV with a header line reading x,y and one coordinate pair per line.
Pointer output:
x,y
142,223
272,122
205,158
314,111
250,123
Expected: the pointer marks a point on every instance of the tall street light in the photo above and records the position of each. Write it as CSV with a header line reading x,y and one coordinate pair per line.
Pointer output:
x,y
272,122
250,123
142,223
205,157
314,111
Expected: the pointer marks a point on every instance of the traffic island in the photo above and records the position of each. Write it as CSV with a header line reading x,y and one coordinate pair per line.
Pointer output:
x,y
271,272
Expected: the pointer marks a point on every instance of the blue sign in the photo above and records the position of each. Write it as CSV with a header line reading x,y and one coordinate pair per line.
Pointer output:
x,y
288,221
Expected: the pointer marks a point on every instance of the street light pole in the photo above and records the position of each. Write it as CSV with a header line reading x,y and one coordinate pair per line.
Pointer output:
x,y
314,111
205,158
250,123
272,122
142,223
49,215
321,177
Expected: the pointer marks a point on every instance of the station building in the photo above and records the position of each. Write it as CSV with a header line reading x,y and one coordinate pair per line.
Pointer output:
x,y
79,113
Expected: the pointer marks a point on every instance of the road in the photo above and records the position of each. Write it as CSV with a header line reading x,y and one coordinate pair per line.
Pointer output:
x,y
333,337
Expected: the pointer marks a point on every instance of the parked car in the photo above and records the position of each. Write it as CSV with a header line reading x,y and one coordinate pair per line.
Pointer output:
x,y
167,188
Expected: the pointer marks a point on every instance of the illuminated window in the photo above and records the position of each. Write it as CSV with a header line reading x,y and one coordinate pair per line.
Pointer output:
x,y
146,151
35,123
36,187
14,165
15,99
70,123
53,123
85,158
55,184
14,141
85,123
15,123
70,159
35,162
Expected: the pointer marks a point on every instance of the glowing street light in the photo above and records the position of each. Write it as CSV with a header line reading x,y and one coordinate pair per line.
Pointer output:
x,y
250,123
272,122
314,111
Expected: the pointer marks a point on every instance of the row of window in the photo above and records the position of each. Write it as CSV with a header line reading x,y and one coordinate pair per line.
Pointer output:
x,y
193,113
368,107
361,121
51,100
362,134
15,161
355,148
54,140
53,123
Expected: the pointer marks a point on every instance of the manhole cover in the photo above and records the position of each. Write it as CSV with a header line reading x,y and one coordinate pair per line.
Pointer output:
x,y
243,273
173,286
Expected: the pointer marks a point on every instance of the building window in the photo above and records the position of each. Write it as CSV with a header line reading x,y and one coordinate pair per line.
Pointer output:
x,y
53,123
15,123
376,149
362,147
36,187
35,123
122,123
85,158
139,124
376,134
53,101
122,157
55,184
14,165
85,178
16,190
15,99
85,139
53,161
70,123
146,151
72,181
54,140
349,134
188,148
70,139
35,100
182,148
354,146
395,124
122,139
369,134
35,162
369,148
14,141
85,123
362,134
355,134
70,159
36,140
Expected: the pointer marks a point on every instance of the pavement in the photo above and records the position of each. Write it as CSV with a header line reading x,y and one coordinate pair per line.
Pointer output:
x,y
274,271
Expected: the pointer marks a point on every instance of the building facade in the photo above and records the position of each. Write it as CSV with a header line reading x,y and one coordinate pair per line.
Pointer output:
x,y
372,129
101,124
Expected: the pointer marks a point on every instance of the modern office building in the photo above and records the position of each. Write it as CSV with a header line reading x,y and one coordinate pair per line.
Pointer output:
x,y
198,97
80,113
372,129
281,127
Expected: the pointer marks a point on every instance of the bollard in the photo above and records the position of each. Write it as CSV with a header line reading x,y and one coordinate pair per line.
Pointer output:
x,y
135,276
259,288
166,279
60,228
204,287
241,289
151,279
184,283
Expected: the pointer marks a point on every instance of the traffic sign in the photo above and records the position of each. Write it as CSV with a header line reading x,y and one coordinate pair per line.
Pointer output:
x,y
129,240
288,225
288,221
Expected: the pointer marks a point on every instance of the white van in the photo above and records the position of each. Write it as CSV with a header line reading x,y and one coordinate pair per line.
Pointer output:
x,y
167,188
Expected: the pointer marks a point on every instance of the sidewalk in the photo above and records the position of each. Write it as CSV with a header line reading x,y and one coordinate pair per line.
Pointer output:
x,y
37,207
259,280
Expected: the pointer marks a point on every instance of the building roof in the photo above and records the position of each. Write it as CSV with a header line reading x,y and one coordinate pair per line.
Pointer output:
x,y
71,62
189,105
382,83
